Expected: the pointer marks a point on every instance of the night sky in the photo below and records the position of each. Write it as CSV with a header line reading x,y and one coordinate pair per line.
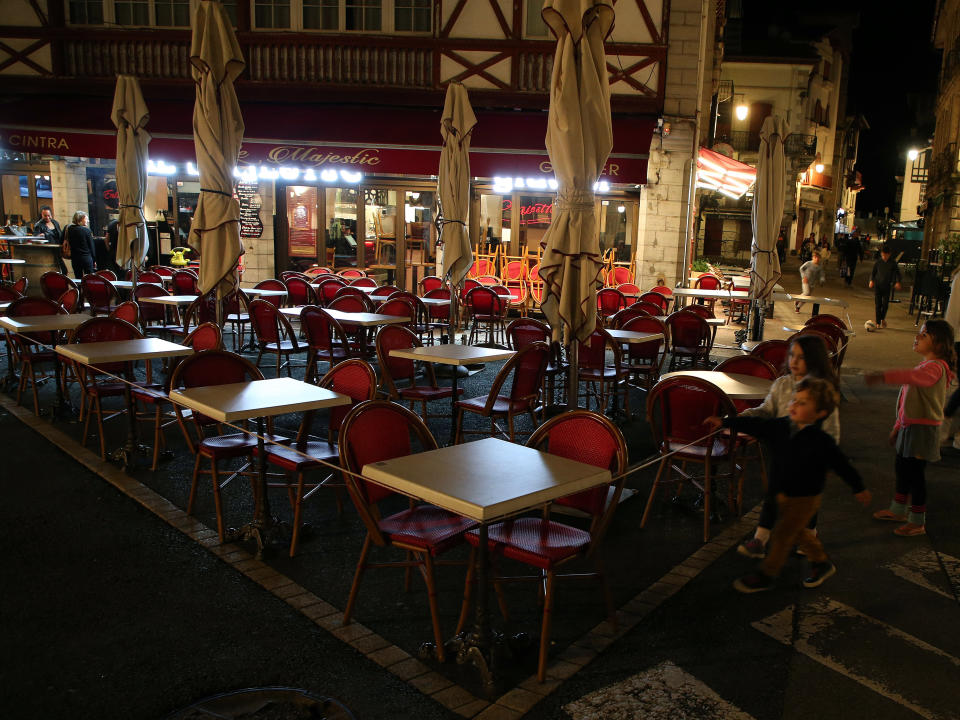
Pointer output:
x,y
893,78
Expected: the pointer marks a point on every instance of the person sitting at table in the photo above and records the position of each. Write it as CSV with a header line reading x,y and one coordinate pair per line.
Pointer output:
x,y
803,453
807,358
82,250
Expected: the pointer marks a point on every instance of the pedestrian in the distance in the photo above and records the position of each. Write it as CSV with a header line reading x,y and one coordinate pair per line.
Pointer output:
x,y
851,254
884,279
802,455
811,275
916,432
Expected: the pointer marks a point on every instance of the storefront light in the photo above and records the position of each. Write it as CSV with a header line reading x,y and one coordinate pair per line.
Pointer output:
x,y
246,174
159,167
309,175
192,169
351,177
289,173
268,173
502,185
602,186
328,175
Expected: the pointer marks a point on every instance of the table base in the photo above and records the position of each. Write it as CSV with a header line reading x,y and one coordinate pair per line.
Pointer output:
x,y
266,533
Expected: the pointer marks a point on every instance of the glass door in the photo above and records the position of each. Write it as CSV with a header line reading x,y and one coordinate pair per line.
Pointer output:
x,y
340,227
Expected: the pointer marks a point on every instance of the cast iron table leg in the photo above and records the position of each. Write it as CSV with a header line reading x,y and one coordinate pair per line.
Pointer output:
x,y
453,407
62,408
11,380
263,526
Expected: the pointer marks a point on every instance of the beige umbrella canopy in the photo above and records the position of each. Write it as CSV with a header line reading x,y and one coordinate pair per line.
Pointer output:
x,y
579,140
453,182
217,136
130,115
767,211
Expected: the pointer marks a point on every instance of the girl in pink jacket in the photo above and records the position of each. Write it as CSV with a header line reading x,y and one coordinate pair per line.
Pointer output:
x,y
916,432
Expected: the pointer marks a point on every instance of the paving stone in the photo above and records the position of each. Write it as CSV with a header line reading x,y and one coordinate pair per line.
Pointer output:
x,y
369,643
350,632
288,590
520,699
389,656
471,708
499,712
301,601
407,669
561,670
428,683
452,697
531,684
318,610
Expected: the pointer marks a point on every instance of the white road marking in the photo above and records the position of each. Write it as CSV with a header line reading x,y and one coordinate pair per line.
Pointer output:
x,y
827,631
921,564
664,692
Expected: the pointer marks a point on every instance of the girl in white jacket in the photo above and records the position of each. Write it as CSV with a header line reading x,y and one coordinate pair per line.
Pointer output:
x,y
807,356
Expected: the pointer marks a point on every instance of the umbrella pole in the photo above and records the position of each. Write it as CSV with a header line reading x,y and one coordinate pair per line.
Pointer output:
x,y
573,384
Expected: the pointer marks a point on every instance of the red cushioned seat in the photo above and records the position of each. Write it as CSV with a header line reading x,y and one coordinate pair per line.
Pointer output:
x,y
427,527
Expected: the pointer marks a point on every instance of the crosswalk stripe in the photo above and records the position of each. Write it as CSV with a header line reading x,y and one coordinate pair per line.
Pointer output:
x,y
827,629
664,692
919,565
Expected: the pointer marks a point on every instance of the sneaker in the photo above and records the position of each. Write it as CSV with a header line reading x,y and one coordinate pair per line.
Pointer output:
x,y
818,573
797,307
909,530
754,582
888,515
752,548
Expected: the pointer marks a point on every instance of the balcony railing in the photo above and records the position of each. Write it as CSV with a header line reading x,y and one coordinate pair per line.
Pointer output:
x,y
943,166
740,140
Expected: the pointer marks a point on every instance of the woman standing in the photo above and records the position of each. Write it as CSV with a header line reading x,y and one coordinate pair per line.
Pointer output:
x,y
82,249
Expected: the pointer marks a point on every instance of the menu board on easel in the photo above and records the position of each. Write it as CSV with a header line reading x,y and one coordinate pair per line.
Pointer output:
x,y
251,226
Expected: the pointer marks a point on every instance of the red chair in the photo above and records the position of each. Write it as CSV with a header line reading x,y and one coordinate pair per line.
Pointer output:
x,y
525,331
351,273
676,410
53,285
628,313
273,334
326,340
399,307
154,398
430,282
526,369
610,301
202,310
215,367
351,291
631,292
438,316
706,313
185,282
419,320
549,545
20,285
837,334
383,292
327,290
747,365
358,381
163,271
646,359
663,290
708,281
394,370
128,311
150,277
619,275
661,301
34,350
98,383
602,378
315,270
689,338
827,318
271,284
236,312
486,310
300,292
70,300
363,282
100,294
774,352
285,275
108,274
380,430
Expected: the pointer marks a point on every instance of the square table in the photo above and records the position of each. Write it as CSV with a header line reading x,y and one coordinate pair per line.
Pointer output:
x,y
633,336
736,385
449,354
257,399
26,324
363,319
469,480
264,292
173,300
99,353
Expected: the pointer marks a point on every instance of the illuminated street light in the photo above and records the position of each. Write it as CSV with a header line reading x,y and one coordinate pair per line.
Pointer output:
x,y
912,154
742,112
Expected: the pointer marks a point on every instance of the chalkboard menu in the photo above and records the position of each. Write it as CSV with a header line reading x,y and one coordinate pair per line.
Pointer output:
x,y
251,226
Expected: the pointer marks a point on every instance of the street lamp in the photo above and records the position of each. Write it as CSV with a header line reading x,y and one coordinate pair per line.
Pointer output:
x,y
912,154
742,112
819,166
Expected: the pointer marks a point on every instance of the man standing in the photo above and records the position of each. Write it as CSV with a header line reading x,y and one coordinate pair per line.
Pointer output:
x,y
51,231
884,279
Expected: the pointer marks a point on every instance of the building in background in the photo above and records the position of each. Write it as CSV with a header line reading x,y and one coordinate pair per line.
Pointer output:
x,y
912,186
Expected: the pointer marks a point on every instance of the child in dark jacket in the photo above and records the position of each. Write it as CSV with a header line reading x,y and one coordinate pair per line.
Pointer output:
x,y
802,454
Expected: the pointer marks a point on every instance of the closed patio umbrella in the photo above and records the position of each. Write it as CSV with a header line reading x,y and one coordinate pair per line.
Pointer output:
x,y
217,136
130,116
453,188
579,140
765,217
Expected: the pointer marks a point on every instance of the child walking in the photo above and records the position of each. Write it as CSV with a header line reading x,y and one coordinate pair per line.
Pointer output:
x,y
916,432
808,358
803,453
811,274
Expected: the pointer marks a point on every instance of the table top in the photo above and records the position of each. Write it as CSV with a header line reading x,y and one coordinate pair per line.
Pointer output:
x,y
453,354
798,297
96,353
710,321
743,283
717,294
358,318
632,336
43,323
264,292
257,398
170,299
487,479
128,284
12,261
435,301
735,385
362,288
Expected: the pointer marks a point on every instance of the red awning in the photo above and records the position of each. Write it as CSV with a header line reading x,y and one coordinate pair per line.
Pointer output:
x,y
724,174
372,140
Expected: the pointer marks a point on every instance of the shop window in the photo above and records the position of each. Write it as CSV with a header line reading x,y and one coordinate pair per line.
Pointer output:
x,y
494,224
535,27
536,213
302,222
137,13
412,15
420,233
617,229
18,206
188,193
340,229
381,220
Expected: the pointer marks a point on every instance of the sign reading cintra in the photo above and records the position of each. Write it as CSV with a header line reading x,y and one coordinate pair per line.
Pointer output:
x,y
37,142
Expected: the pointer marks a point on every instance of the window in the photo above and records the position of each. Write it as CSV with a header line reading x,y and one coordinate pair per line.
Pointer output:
x,y
321,14
175,13
272,14
918,171
535,26
131,12
364,15
411,16
86,12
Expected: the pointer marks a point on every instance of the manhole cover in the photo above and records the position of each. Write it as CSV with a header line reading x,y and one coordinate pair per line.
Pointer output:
x,y
270,703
